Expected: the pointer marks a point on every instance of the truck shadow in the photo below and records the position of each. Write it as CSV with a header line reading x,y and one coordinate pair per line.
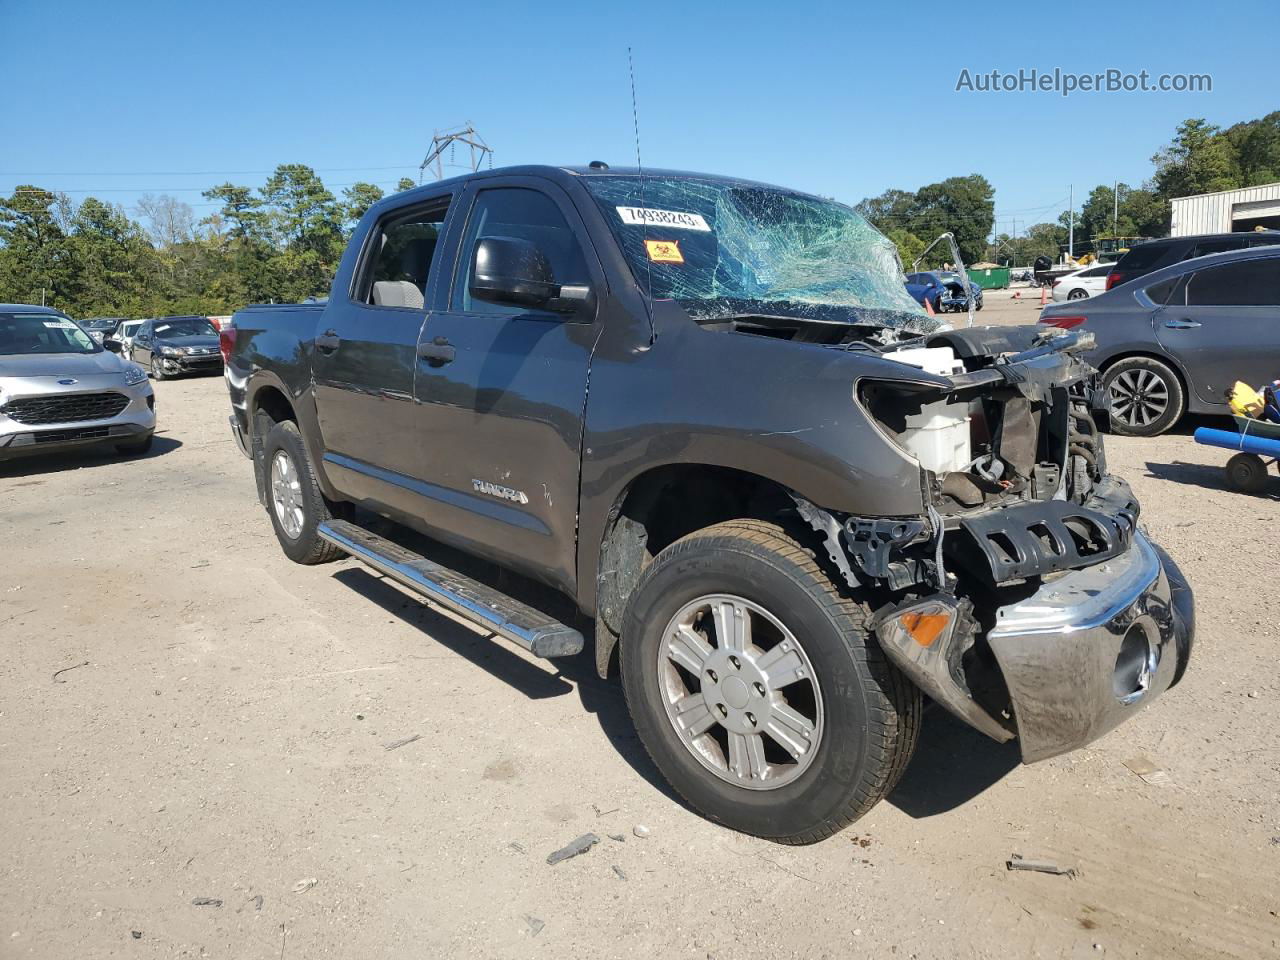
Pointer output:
x,y
535,679
953,764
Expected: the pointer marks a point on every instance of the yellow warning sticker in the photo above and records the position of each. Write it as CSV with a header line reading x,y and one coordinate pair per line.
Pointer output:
x,y
664,251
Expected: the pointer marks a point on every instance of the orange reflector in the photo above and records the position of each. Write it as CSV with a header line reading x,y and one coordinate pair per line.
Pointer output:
x,y
925,628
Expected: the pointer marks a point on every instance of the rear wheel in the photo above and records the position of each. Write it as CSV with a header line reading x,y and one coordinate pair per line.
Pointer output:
x,y
757,688
1146,396
1077,294
1247,472
294,501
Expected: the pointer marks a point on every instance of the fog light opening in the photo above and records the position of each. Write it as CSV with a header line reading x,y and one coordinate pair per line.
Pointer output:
x,y
1135,665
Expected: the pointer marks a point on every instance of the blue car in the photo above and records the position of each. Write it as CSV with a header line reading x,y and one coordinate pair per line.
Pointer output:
x,y
943,290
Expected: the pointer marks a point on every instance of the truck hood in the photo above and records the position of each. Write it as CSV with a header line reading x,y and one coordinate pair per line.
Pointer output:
x,y
61,365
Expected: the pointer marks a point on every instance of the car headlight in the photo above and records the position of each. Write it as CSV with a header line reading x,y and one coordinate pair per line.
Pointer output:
x,y
170,351
133,374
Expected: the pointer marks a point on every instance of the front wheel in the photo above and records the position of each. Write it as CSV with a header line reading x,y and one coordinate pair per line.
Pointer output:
x,y
757,688
157,368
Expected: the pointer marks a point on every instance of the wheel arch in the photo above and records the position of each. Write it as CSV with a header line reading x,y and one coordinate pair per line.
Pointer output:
x,y
1147,354
656,508
268,401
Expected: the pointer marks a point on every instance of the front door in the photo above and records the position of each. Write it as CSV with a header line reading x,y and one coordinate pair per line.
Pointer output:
x,y
504,414
1225,326
366,357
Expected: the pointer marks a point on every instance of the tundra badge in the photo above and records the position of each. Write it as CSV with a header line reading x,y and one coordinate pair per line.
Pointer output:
x,y
494,490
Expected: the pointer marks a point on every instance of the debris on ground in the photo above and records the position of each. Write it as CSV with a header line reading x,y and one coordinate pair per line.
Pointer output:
x,y
257,903
397,744
1147,770
618,870
206,902
74,666
305,884
515,846
603,813
575,847
617,836
136,934
535,925
1018,862
640,830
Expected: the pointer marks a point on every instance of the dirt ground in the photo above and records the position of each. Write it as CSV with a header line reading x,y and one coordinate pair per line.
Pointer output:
x,y
185,714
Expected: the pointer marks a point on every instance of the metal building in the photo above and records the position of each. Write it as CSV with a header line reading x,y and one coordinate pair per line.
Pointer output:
x,y
1227,211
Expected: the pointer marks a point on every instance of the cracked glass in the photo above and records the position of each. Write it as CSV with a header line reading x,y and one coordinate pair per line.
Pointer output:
x,y
726,248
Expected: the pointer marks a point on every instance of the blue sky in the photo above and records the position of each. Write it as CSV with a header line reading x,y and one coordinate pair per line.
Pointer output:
x,y
122,98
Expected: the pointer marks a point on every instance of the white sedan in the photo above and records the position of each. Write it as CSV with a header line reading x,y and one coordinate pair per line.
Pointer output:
x,y
1082,283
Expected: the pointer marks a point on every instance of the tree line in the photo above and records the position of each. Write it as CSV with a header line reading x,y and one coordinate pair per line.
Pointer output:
x,y
1201,158
282,241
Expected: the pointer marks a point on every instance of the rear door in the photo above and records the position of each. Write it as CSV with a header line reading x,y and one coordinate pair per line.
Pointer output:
x,y
504,415
365,358
1224,326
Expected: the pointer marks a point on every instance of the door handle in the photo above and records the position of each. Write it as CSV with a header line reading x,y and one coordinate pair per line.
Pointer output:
x,y
1182,324
438,351
328,341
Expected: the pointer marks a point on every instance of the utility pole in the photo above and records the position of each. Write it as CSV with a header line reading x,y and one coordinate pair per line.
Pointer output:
x,y
1071,222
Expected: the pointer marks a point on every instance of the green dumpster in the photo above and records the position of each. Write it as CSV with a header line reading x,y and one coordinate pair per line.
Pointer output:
x,y
989,278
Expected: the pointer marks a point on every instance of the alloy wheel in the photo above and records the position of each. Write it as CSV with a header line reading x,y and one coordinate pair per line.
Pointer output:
x,y
286,494
1138,397
740,692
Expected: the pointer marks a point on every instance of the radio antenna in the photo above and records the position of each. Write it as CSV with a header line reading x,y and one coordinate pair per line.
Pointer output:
x,y
648,263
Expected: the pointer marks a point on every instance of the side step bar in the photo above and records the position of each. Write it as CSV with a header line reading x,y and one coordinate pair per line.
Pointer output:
x,y
521,624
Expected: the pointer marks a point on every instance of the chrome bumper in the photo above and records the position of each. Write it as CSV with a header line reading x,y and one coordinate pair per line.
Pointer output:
x,y
1092,647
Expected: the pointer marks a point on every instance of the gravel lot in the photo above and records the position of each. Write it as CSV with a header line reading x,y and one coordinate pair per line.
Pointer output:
x,y
223,732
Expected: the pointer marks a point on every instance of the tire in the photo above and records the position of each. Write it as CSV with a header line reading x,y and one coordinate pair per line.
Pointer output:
x,y
157,370
136,448
1077,294
868,714
1247,472
1146,397
294,501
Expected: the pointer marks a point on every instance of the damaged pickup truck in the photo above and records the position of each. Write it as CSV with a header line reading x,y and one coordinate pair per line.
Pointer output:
x,y
793,504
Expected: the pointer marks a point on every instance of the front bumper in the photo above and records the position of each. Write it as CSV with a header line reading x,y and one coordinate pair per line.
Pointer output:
x,y
1078,657
1092,647
190,363
134,422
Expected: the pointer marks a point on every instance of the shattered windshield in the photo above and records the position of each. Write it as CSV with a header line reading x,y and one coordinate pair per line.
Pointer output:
x,y
722,248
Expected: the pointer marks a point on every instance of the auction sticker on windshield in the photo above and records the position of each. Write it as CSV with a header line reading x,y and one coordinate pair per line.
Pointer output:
x,y
59,325
648,217
664,251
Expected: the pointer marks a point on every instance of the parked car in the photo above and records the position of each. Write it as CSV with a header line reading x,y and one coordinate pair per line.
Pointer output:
x,y
766,482
943,289
1145,258
168,346
123,336
99,328
1176,339
59,388
1082,283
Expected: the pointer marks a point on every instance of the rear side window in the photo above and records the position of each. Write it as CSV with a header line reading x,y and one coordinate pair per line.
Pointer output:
x,y
526,215
1097,271
1146,256
1249,283
1159,293
1206,247
401,256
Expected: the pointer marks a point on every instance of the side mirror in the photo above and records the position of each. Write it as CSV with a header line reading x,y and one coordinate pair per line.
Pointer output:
x,y
512,270
113,345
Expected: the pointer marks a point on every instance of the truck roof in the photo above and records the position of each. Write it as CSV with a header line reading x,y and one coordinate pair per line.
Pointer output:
x,y
565,173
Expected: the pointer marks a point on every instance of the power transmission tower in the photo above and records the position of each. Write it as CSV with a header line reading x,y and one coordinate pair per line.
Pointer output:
x,y
443,139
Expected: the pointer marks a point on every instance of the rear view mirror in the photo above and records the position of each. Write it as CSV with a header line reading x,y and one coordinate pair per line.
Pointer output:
x,y
113,345
512,270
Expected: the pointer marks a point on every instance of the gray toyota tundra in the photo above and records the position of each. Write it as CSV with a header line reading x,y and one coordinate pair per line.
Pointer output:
x,y
793,504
